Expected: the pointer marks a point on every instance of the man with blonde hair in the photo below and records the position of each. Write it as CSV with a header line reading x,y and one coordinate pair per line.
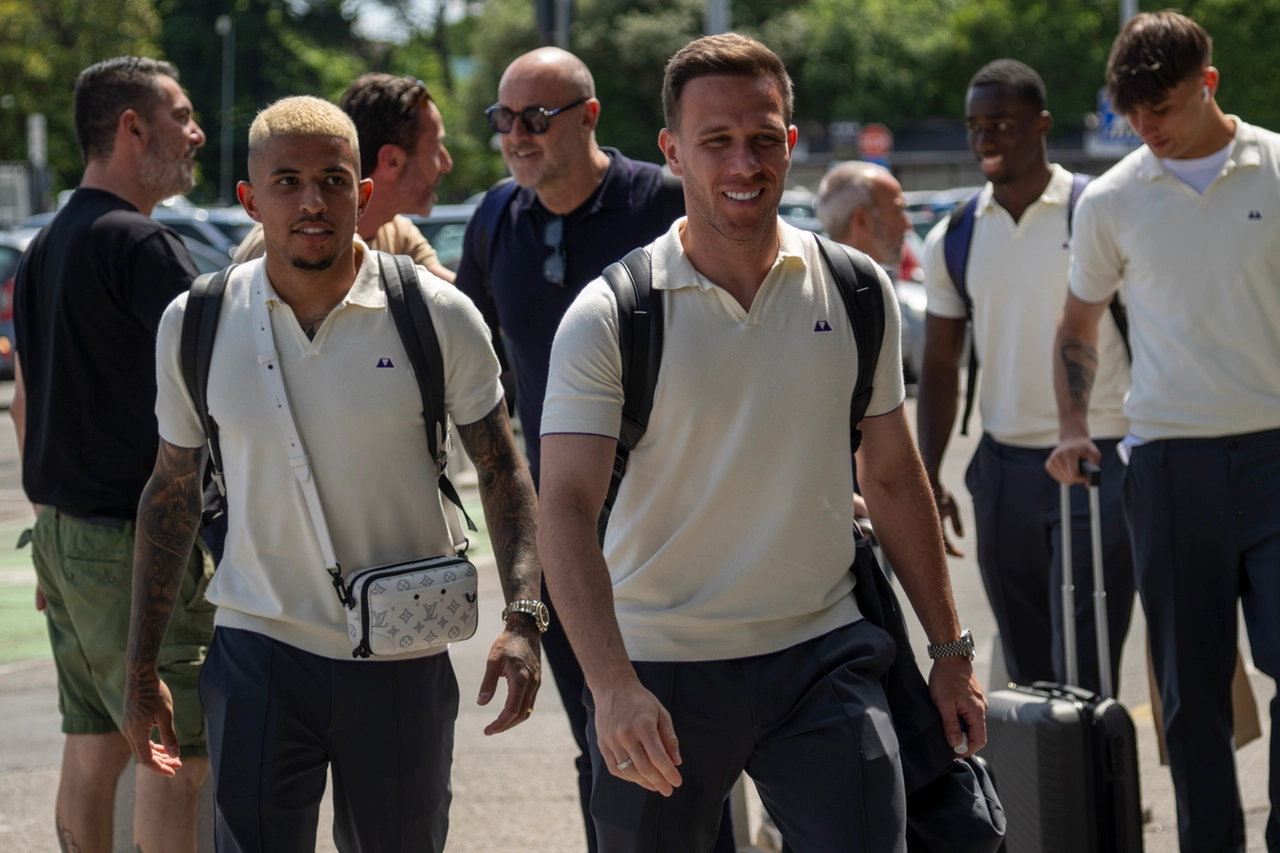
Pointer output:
x,y
402,151
283,698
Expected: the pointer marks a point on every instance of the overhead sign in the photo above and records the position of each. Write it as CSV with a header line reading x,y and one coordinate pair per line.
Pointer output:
x,y
1109,133
875,142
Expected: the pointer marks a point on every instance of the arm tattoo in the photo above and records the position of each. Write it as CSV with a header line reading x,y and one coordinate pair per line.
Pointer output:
x,y
66,841
510,506
168,521
1081,363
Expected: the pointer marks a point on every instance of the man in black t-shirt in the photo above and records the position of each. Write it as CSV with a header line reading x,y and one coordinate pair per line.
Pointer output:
x,y
88,298
571,209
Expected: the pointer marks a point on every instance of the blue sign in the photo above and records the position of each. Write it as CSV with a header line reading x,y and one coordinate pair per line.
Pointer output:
x,y
1113,128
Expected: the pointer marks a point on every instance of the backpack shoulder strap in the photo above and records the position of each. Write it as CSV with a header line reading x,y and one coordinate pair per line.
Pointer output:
x,y
859,286
199,329
955,247
1117,308
488,215
1079,181
955,251
418,334
640,329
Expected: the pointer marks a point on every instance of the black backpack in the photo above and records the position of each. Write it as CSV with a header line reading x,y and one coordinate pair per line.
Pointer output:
x,y
640,330
413,322
955,249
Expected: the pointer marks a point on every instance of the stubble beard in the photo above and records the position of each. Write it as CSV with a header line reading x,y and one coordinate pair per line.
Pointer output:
x,y
164,176
706,211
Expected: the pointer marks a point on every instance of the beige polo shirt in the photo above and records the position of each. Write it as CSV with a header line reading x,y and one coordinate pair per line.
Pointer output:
x,y
732,532
359,413
1017,279
1201,277
399,236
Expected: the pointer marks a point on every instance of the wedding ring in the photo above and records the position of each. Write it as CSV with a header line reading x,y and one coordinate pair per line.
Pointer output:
x,y
623,765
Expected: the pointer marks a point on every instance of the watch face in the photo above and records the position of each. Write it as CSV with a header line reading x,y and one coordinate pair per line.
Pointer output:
x,y
544,615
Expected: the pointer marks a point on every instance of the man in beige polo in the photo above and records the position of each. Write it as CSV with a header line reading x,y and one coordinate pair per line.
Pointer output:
x,y
402,151
284,700
716,628
1189,224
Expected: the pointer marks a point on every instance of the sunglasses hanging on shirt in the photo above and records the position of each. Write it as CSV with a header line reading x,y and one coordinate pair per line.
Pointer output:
x,y
553,268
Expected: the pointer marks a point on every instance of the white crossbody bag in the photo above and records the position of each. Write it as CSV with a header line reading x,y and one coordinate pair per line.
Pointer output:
x,y
394,609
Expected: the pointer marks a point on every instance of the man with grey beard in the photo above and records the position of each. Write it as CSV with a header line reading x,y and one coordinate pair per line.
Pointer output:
x,y
88,298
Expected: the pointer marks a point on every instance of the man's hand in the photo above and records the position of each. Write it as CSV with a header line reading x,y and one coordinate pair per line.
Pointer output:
x,y
516,656
1064,463
633,729
956,692
147,706
947,508
41,604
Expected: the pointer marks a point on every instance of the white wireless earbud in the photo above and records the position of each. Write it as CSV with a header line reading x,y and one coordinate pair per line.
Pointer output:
x,y
1207,93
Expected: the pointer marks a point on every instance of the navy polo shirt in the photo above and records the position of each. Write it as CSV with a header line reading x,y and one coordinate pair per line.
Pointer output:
x,y
625,211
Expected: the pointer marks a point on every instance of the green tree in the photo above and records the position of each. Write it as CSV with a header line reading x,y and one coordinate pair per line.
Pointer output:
x,y
43,47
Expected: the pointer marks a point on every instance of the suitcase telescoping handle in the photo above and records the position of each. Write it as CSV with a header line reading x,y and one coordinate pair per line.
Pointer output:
x,y
1093,480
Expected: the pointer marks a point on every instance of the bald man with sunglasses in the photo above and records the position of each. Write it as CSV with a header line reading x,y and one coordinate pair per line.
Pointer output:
x,y
572,208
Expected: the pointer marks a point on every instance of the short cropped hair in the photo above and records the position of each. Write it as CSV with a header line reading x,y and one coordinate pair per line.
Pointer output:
x,y
727,54
385,111
105,90
843,190
1018,76
302,115
1155,52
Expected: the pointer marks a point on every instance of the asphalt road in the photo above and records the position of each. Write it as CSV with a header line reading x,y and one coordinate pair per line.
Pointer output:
x,y
517,791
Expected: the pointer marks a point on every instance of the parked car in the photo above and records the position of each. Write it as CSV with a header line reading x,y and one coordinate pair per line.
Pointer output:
x,y
444,229
232,222
926,207
12,245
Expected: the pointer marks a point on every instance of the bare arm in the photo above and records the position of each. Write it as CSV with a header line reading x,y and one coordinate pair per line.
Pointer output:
x,y
936,410
168,521
630,722
1075,363
18,408
439,270
510,509
906,522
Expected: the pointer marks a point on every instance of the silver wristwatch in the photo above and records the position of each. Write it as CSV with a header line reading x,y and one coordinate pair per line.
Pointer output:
x,y
541,615
957,648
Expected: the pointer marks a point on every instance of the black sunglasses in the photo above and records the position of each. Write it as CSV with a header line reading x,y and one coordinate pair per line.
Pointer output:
x,y
553,268
537,120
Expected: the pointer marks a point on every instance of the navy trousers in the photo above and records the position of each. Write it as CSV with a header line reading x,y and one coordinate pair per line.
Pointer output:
x,y
1205,516
279,717
1017,506
810,724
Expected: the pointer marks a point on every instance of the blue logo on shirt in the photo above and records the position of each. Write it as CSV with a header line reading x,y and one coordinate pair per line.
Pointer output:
x,y
385,362
822,326
1255,214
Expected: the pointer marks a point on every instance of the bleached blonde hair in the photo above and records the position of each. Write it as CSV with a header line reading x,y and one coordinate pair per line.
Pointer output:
x,y
302,115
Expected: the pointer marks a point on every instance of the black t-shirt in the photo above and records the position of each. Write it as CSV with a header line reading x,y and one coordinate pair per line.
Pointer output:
x,y
629,208
88,297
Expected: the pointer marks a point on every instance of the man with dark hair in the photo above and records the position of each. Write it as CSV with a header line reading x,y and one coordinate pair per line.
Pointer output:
x,y
402,151
1012,278
89,294
1189,226
716,627
571,209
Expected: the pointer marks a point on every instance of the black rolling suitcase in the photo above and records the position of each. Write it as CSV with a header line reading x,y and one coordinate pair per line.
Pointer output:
x,y
1066,759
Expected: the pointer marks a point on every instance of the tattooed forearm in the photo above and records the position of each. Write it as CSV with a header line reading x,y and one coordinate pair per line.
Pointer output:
x,y
1080,361
510,506
168,521
66,841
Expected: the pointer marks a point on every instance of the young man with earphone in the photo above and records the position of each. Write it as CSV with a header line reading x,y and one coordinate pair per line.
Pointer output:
x,y
1189,224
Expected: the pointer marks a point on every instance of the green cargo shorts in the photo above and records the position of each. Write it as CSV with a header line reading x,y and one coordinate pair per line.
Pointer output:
x,y
85,569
